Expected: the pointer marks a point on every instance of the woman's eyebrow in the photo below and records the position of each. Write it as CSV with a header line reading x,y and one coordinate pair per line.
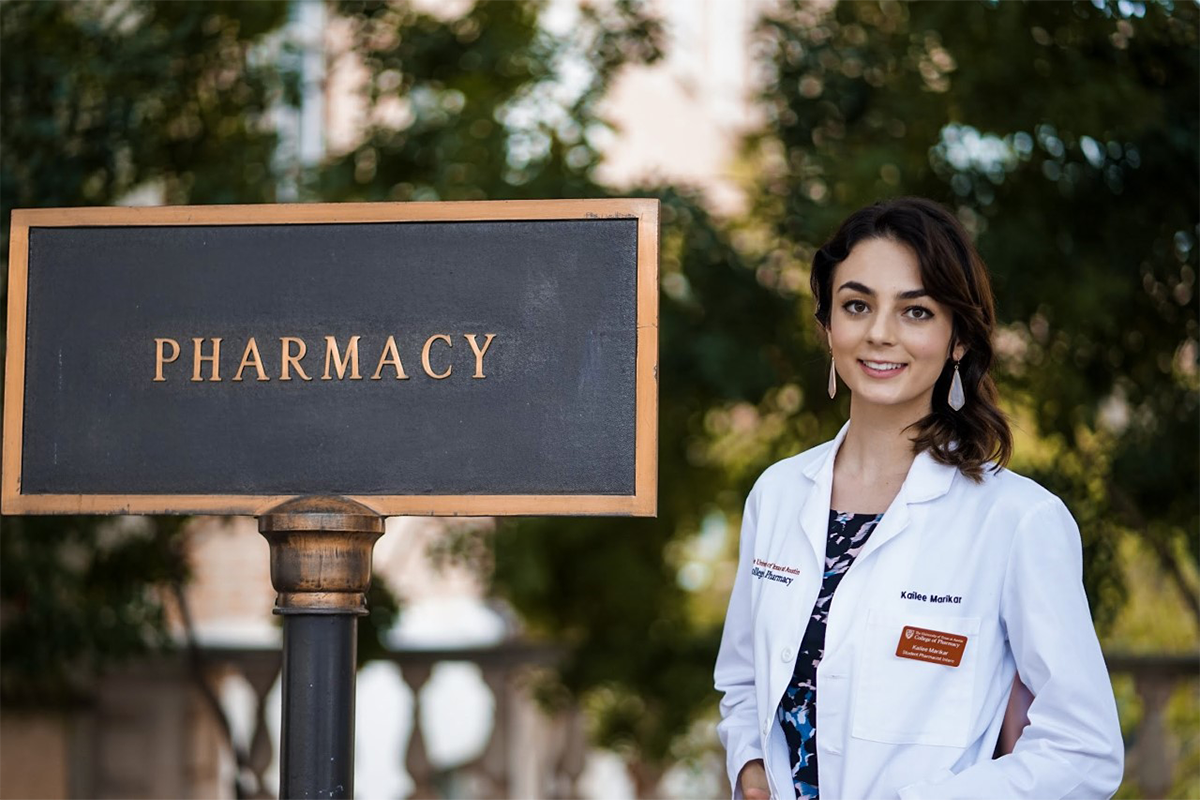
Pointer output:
x,y
855,286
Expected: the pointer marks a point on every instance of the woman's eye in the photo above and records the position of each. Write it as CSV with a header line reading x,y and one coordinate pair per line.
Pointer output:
x,y
855,306
919,312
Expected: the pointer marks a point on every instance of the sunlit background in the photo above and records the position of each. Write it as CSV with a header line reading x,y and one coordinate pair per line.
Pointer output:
x,y
563,657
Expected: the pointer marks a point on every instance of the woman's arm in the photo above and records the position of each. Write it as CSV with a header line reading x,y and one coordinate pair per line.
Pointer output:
x,y
734,672
1016,717
1072,746
753,781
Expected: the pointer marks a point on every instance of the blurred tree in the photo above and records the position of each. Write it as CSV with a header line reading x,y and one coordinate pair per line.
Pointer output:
x,y
607,586
487,105
97,100
76,597
177,96
104,97
492,106
1065,135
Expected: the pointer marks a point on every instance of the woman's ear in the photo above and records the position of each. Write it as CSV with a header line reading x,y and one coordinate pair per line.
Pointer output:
x,y
959,351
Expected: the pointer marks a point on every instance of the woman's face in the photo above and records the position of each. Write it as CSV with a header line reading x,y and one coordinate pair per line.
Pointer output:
x,y
890,340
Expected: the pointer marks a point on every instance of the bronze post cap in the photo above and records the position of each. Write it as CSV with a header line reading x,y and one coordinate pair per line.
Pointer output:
x,y
321,554
320,513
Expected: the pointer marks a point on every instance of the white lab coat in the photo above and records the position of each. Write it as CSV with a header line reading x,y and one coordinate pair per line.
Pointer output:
x,y
891,727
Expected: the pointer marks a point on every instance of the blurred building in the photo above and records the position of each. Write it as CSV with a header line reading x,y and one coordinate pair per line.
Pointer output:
x,y
448,711
681,121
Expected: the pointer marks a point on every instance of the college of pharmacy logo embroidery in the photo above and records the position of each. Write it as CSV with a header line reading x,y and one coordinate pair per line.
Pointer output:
x,y
908,633
769,570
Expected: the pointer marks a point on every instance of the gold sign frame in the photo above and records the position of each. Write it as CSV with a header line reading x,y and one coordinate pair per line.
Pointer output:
x,y
642,503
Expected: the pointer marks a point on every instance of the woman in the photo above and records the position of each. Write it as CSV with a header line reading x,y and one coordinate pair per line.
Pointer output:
x,y
952,574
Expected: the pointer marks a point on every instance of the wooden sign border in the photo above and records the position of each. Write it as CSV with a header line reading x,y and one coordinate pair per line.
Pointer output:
x,y
642,503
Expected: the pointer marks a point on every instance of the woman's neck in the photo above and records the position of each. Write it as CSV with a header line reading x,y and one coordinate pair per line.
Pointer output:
x,y
878,444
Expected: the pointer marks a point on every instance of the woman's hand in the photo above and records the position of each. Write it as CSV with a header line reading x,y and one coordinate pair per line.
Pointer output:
x,y
753,780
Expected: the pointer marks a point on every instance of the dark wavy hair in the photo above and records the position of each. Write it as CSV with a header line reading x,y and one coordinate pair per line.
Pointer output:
x,y
954,275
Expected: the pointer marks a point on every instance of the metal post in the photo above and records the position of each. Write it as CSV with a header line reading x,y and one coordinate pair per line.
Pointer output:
x,y
321,569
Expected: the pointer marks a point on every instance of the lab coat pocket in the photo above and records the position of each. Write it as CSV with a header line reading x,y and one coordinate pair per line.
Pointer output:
x,y
902,700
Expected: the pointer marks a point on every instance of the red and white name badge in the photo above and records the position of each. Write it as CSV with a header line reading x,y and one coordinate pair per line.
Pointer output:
x,y
936,647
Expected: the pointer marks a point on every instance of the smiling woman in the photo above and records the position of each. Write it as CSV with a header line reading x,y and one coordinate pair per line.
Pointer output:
x,y
955,579
892,341
936,289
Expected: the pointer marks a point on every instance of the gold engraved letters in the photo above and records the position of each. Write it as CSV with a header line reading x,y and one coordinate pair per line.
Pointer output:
x,y
341,358
425,356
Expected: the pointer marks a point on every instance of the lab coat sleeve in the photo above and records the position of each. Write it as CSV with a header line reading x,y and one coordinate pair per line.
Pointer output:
x,y
1072,746
734,672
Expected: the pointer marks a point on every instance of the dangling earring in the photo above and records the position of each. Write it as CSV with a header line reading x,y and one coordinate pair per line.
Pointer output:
x,y
832,377
957,398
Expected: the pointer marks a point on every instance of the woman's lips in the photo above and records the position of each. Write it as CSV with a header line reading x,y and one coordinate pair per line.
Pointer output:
x,y
881,373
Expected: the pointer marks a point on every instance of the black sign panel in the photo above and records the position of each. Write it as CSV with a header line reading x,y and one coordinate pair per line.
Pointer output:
x,y
437,358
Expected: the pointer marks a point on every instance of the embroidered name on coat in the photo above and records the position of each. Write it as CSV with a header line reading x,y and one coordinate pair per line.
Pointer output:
x,y
954,599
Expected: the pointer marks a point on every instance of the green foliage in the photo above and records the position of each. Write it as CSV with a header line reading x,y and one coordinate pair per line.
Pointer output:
x,y
383,609
487,116
1065,135
477,108
1079,474
77,594
99,99
604,585
176,95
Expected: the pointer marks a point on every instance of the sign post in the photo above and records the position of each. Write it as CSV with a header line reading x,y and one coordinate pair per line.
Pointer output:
x,y
321,367
321,569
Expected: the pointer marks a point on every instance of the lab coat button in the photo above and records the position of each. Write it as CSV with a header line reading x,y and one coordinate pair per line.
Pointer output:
x,y
786,654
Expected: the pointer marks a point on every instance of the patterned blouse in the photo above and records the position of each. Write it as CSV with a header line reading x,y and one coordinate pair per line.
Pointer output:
x,y
798,708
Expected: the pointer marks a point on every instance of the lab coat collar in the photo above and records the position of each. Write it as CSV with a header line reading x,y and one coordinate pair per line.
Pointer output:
x,y
927,480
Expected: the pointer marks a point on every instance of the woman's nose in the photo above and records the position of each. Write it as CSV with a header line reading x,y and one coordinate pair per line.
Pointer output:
x,y
880,330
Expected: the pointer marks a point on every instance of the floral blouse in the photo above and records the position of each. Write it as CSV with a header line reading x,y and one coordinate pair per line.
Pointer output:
x,y
798,708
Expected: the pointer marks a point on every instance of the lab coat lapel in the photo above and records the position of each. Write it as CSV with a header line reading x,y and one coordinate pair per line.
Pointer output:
x,y
814,515
926,480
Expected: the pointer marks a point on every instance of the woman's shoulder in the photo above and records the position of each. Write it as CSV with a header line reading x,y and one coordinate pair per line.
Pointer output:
x,y
1012,489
